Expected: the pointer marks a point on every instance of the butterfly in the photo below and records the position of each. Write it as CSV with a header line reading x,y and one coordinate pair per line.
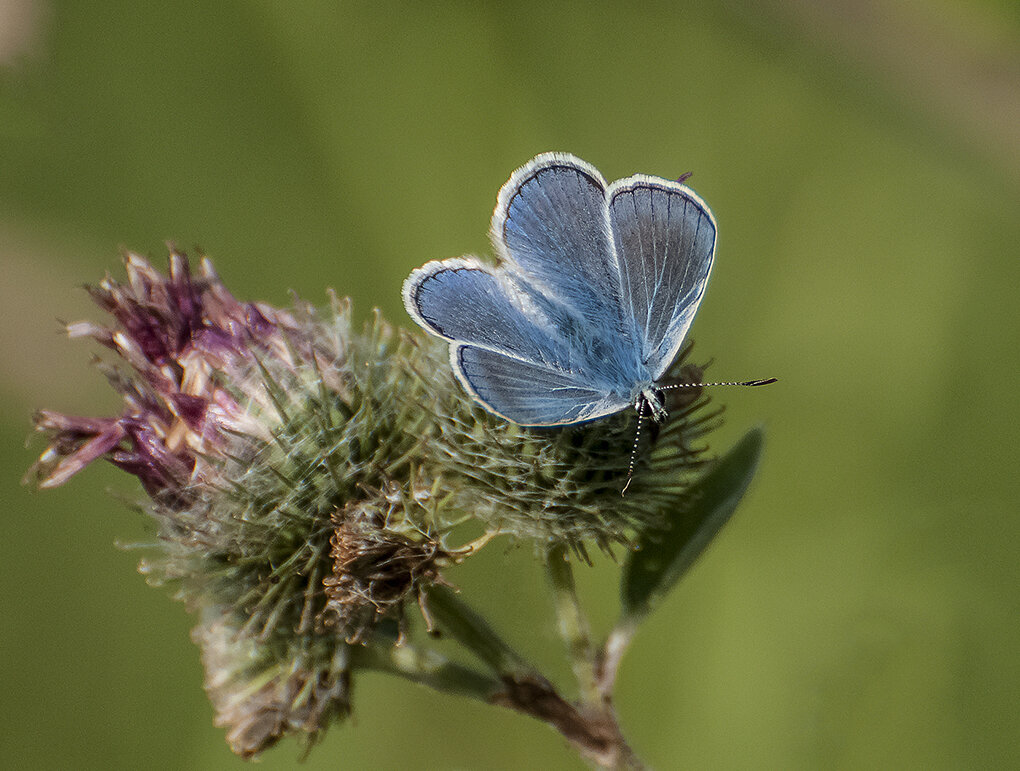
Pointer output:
x,y
596,287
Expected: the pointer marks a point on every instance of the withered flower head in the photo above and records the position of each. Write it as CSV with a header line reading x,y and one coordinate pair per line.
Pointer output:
x,y
381,558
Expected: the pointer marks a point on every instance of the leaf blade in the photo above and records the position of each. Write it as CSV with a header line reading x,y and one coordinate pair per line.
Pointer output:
x,y
661,558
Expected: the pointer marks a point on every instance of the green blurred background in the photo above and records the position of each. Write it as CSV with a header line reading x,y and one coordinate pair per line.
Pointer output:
x,y
863,162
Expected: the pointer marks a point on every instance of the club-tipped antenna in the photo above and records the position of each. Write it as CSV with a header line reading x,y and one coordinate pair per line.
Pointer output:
x,y
634,449
641,414
764,381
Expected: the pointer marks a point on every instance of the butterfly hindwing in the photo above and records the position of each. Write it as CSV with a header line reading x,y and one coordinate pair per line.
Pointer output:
x,y
528,393
506,354
463,300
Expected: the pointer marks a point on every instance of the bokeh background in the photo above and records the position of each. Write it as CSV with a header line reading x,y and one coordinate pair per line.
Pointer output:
x,y
863,161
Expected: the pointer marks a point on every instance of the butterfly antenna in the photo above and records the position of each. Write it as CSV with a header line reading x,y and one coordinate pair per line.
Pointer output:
x,y
634,449
765,381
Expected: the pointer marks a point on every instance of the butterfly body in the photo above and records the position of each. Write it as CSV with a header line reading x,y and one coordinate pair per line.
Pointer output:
x,y
595,290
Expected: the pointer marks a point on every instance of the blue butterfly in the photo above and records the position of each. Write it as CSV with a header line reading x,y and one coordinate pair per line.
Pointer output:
x,y
595,290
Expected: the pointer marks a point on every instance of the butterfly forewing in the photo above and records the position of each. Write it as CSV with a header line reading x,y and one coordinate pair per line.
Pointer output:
x,y
551,226
665,240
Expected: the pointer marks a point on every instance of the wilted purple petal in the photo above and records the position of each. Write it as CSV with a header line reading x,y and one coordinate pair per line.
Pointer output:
x,y
73,448
70,425
258,324
87,329
218,342
186,292
190,409
151,460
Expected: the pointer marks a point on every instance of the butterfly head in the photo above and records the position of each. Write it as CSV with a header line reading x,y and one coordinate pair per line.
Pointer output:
x,y
650,401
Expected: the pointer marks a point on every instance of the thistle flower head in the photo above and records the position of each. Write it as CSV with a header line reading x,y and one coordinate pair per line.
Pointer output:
x,y
563,485
307,480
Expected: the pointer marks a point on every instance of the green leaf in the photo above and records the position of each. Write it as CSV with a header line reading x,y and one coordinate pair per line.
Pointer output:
x,y
663,556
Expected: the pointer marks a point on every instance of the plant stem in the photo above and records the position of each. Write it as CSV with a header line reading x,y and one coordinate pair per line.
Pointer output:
x,y
593,731
590,726
612,654
470,629
572,624
428,668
